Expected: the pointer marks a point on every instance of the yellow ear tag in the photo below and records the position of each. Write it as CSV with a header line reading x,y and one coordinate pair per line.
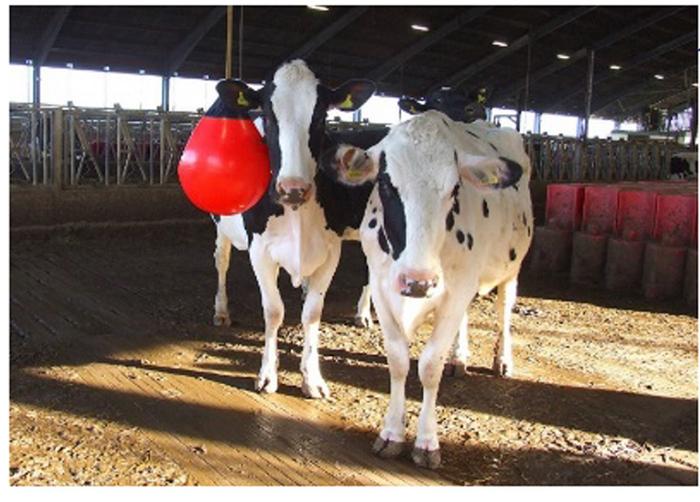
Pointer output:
x,y
241,99
347,103
413,110
354,174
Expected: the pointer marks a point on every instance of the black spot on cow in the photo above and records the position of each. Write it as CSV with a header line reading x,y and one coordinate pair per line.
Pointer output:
x,y
515,187
529,231
215,217
392,205
469,132
493,146
524,219
470,241
372,223
514,171
374,210
445,122
456,159
455,196
485,208
449,221
460,236
512,254
382,240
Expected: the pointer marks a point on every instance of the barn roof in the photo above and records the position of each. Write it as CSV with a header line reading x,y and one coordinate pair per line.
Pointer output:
x,y
379,43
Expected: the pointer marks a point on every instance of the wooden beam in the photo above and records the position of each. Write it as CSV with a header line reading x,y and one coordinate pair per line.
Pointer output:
x,y
184,48
611,39
50,35
477,67
327,33
426,41
636,61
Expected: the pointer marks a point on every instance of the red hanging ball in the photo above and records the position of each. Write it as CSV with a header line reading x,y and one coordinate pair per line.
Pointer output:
x,y
224,168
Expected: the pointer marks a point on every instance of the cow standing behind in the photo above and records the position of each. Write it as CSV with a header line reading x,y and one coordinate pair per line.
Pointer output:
x,y
300,221
450,216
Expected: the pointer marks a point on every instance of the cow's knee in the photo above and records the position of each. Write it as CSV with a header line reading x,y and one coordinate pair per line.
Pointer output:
x,y
274,315
430,370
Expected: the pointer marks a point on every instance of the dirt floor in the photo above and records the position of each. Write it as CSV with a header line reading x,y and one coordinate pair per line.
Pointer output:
x,y
119,378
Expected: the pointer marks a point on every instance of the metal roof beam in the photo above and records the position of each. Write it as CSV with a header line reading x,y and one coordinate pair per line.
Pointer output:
x,y
426,41
611,39
636,61
50,35
178,56
479,66
327,33
628,91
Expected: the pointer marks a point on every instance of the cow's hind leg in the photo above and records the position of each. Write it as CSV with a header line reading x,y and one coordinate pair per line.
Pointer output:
x,y
363,317
391,440
222,257
266,271
503,353
460,351
313,384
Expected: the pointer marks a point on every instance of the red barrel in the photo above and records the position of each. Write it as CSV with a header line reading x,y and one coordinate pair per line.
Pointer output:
x,y
599,209
664,268
635,214
674,218
564,205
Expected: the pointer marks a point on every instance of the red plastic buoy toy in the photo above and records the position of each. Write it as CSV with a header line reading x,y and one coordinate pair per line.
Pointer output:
x,y
225,168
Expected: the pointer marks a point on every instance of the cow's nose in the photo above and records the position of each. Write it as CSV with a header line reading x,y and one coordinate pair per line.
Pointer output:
x,y
293,191
417,284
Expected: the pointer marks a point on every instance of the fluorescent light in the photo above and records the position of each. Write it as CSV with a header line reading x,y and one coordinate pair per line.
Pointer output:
x,y
420,27
106,68
445,88
28,61
563,56
142,72
694,84
615,67
658,76
69,65
317,7
175,74
498,43
206,77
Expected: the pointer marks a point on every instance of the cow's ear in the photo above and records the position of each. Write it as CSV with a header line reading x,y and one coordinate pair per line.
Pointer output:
x,y
352,94
236,95
352,165
488,172
412,106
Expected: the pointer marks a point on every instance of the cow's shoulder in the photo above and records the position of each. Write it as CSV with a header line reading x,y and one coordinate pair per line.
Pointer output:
x,y
256,218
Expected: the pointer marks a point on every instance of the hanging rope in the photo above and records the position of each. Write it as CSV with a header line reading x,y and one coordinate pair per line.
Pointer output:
x,y
240,44
229,40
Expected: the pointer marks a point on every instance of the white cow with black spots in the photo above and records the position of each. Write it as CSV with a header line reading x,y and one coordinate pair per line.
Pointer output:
x,y
299,223
450,216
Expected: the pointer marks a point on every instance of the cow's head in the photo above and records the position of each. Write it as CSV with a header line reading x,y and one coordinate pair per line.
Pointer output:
x,y
419,172
454,104
294,106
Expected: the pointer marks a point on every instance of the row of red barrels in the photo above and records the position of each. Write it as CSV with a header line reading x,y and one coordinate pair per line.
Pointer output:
x,y
629,237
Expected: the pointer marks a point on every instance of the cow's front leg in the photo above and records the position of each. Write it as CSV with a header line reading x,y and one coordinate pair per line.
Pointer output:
x,y
313,384
266,271
392,437
426,452
460,351
363,317
503,353
222,257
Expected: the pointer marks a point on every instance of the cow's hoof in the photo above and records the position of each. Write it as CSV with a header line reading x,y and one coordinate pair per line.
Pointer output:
x,y
429,459
267,385
502,367
222,320
386,448
364,321
455,369
317,390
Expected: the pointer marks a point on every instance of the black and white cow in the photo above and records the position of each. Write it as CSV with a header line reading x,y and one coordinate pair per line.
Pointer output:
x,y
684,166
454,104
299,223
450,217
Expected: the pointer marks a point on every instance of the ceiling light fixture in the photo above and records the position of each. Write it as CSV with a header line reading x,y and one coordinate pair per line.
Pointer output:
x,y
142,72
420,27
658,76
498,43
563,56
106,68
317,7
694,84
69,65
615,67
